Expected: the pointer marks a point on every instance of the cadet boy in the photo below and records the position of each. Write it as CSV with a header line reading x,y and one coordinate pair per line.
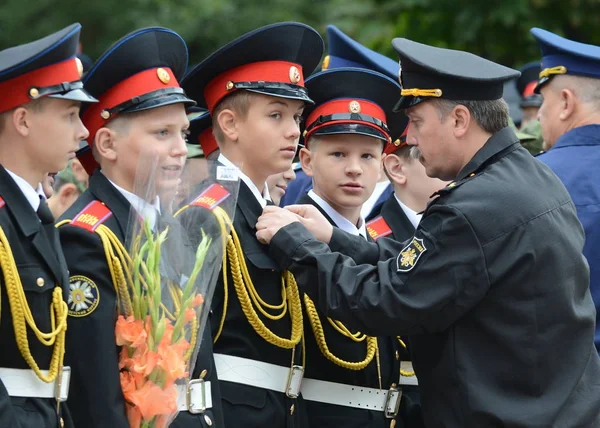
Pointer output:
x,y
481,289
254,90
141,112
40,131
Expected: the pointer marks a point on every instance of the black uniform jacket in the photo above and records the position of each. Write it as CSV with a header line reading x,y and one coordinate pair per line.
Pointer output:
x,y
92,352
493,289
245,405
36,256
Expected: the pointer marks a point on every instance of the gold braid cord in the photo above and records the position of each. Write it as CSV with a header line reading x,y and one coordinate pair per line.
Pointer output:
x,y
249,297
21,316
405,373
317,328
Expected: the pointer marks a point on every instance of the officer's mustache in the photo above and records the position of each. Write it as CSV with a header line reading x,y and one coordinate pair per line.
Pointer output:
x,y
415,153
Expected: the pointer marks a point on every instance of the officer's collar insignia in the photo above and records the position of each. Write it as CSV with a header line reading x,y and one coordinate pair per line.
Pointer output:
x,y
410,255
83,296
211,197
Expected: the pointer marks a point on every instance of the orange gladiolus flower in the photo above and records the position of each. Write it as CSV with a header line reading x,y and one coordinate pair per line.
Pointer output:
x,y
190,314
130,332
144,361
198,300
172,362
134,416
152,400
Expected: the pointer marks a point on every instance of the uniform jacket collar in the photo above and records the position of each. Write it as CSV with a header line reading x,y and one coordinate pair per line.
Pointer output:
x,y
588,135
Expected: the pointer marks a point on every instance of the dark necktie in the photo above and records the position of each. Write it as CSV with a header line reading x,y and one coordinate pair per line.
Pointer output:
x,y
270,202
44,212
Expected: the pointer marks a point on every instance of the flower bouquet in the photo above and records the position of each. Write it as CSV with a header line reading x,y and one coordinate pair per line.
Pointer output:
x,y
168,287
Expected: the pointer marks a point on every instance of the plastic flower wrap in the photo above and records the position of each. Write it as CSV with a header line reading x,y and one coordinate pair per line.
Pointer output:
x,y
166,290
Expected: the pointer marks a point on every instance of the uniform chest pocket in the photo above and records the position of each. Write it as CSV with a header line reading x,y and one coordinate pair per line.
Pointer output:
x,y
35,279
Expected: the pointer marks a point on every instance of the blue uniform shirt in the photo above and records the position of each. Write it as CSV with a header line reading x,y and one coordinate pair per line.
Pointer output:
x,y
575,159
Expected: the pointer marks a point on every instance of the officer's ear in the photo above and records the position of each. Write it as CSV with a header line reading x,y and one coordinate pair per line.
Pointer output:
x,y
461,120
568,100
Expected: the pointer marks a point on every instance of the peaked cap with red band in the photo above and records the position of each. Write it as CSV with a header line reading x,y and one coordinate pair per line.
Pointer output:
x,y
47,67
270,60
139,72
353,101
527,83
201,130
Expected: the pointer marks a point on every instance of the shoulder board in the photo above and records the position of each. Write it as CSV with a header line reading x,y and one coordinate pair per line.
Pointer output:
x,y
211,197
378,228
2,203
452,186
93,215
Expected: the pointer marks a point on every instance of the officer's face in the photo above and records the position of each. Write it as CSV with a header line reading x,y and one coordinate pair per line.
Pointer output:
x,y
268,136
55,131
433,138
345,169
418,185
151,150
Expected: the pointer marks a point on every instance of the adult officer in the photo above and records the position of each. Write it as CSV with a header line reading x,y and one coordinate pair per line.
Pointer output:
x,y
494,277
570,118
39,131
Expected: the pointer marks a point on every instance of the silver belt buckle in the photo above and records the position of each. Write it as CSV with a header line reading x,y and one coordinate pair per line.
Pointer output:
x,y
392,402
63,377
294,381
195,408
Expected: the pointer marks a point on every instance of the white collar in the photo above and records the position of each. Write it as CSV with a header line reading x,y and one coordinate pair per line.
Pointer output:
x,y
148,211
32,195
262,199
412,216
339,220
370,203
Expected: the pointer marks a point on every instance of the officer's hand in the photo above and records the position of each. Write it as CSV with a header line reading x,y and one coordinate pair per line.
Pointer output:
x,y
272,219
314,221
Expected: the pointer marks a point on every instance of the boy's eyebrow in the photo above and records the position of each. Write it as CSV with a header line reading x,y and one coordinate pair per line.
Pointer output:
x,y
278,102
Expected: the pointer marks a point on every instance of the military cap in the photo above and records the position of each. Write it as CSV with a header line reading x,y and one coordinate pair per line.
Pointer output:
x,y
428,73
344,51
270,60
353,101
564,56
526,84
47,67
139,72
201,135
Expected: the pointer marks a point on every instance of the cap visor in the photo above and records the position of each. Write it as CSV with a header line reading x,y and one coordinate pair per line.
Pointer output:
x,y
351,128
284,93
160,101
76,95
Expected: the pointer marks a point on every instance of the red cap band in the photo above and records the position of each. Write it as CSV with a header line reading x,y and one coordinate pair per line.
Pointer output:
x,y
15,92
139,84
396,144
263,71
207,141
529,89
348,105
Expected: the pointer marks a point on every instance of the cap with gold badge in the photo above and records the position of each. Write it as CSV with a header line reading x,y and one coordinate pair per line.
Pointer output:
x,y
47,67
139,72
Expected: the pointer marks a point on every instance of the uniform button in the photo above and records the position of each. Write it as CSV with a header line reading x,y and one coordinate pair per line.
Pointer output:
x,y
393,423
203,374
292,409
397,355
40,282
62,422
208,420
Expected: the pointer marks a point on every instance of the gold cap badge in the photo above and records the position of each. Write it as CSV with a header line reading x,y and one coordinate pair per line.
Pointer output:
x,y
354,107
163,75
294,74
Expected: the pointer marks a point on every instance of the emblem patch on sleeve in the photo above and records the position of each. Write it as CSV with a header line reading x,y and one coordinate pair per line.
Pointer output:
x,y
409,256
83,296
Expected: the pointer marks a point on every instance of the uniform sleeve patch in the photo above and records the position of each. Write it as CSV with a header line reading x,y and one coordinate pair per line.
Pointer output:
x,y
93,215
211,197
2,203
410,255
378,228
83,296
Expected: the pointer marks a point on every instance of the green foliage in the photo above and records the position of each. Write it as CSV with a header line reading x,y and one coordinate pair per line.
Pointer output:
x,y
496,29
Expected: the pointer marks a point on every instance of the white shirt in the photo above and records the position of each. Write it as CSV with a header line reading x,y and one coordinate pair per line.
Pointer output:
x,y
148,211
339,220
412,216
370,203
32,195
261,198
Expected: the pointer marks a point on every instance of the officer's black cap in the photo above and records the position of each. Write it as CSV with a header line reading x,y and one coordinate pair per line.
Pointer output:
x,y
201,130
526,84
45,67
271,60
353,101
139,72
428,72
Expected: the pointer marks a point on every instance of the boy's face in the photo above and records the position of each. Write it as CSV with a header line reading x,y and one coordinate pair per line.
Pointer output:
x,y
155,140
278,184
344,168
269,134
55,133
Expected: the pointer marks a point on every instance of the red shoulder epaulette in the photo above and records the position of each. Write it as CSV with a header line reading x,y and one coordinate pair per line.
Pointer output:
x,y
2,203
93,215
378,228
211,197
